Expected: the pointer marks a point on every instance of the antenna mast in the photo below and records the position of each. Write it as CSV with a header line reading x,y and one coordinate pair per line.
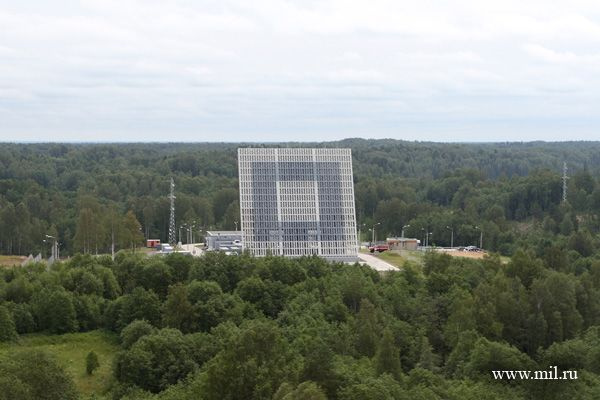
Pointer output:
x,y
564,179
172,238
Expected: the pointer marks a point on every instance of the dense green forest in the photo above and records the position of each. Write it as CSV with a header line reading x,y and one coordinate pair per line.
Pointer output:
x,y
238,327
89,195
227,327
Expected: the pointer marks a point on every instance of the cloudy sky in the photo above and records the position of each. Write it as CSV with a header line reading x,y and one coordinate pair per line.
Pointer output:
x,y
273,70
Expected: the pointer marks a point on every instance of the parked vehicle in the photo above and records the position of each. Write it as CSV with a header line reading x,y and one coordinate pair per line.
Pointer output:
x,y
472,248
379,248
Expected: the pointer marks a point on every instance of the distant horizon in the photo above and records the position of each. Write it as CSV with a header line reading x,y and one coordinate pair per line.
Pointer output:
x,y
303,141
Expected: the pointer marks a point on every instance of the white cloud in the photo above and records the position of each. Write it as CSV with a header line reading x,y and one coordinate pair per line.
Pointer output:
x,y
298,69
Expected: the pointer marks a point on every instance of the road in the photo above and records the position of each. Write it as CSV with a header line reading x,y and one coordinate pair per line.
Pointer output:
x,y
376,263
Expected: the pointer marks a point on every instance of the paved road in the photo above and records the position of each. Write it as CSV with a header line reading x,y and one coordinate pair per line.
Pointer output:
x,y
376,263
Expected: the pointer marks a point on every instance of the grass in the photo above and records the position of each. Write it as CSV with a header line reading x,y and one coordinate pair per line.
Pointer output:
x,y
393,258
9,261
70,351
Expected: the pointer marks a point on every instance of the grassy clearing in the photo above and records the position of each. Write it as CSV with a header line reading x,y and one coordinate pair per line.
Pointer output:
x,y
393,258
70,350
9,261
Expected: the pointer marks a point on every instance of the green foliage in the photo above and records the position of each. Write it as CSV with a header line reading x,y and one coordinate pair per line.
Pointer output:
x,y
134,331
489,356
387,358
258,328
8,330
304,391
94,197
253,364
54,311
367,329
91,363
177,309
34,375
156,361
22,317
383,387
139,304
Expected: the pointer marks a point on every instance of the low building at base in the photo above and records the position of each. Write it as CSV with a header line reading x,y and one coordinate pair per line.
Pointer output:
x,y
402,243
227,241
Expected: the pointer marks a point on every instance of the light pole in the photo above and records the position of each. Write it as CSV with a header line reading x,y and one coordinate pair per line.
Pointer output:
x,y
46,242
451,236
405,226
428,234
54,246
359,233
192,231
480,237
373,241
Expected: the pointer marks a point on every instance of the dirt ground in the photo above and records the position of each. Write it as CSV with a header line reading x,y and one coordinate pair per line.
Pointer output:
x,y
468,254
9,261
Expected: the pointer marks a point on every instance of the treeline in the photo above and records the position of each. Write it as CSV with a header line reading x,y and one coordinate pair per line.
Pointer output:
x,y
511,192
224,327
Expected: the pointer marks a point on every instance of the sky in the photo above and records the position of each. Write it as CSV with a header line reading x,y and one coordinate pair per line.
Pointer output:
x,y
299,70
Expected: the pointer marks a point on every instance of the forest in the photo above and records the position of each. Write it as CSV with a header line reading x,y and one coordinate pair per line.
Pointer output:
x,y
90,196
239,327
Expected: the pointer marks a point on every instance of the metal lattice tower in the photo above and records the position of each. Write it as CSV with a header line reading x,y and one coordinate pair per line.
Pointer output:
x,y
564,179
172,237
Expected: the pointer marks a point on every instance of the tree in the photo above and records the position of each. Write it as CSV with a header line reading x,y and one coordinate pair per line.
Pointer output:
x,y
461,318
140,304
581,242
525,267
134,331
7,325
178,312
383,387
91,363
156,361
489,356
366,328
387,358
54,310
132,234
319,366
252,366
89,231
34,375
304,391
22,317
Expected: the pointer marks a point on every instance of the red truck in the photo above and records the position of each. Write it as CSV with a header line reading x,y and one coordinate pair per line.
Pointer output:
x,y
379,248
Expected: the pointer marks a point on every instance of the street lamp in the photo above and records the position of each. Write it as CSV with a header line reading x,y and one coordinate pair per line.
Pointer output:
x,y
192,231
405,226
373,241
480,237
54,246
429,234
359,233
451,236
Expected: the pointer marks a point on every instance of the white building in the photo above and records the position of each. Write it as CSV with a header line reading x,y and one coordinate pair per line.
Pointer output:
x,y
227,241
297,202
